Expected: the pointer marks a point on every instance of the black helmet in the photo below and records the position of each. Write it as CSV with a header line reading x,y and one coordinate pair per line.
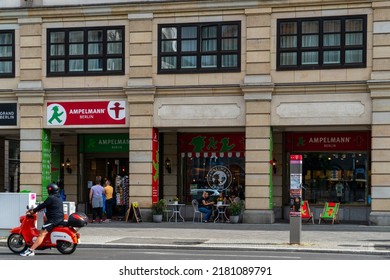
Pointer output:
x,y
52,188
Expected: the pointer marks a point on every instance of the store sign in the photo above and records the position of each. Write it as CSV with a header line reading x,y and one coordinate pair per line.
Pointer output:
x,y
155,166
207,144
328,141
8,114
219,178
46,161
104,143
86,113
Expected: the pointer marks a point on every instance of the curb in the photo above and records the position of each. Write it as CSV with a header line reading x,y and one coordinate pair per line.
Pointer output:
x,y
253,247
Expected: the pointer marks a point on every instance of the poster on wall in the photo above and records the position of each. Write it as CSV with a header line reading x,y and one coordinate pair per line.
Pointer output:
x,y
86,113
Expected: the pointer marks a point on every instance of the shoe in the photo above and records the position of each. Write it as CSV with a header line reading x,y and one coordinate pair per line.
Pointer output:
x,y
28,253
205,221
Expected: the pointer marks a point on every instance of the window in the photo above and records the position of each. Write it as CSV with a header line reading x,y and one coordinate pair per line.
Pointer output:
x,y
86,51
203,47
7,53
320,43
340,177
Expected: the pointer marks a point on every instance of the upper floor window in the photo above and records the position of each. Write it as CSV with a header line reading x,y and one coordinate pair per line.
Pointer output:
x,y
7,53
199,47
85,51
320,43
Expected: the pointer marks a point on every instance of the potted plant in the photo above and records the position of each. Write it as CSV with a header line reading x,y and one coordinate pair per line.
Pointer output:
x,y
235,210
157,210
175,200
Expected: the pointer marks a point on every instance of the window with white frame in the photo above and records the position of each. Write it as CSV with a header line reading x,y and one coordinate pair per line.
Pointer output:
x,y
85,51
7,53
320,43
199,47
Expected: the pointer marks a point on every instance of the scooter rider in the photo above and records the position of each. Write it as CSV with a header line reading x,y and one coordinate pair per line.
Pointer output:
x,y
54,214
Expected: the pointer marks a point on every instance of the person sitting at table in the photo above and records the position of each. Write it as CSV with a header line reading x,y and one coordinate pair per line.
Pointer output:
x,y
233,197
205,206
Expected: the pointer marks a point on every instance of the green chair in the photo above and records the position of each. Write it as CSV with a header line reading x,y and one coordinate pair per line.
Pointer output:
x,y
331,209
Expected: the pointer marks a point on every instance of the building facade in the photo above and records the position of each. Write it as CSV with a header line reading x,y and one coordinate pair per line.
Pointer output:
x,y
168,98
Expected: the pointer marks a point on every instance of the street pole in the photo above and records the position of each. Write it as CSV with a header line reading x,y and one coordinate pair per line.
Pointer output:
x,y
295,198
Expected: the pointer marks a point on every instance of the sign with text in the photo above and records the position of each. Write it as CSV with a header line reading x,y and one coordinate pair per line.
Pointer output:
x,y
86,113
8,114
328,141
104,143
212,142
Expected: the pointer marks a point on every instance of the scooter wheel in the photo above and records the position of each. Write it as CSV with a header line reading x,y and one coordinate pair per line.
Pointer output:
x,y
66,248
16,243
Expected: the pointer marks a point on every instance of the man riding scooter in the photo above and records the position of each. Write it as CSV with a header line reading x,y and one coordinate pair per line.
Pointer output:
x,y
54,216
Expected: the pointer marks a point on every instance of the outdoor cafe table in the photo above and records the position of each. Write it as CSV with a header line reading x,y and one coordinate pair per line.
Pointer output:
x,y
176,211
221,212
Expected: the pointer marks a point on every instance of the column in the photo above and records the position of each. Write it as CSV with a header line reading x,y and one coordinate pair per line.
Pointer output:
x,y
31,101
258,175
380,93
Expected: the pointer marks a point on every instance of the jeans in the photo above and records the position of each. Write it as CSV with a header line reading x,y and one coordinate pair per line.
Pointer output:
x,y
109,207
206,211
97,212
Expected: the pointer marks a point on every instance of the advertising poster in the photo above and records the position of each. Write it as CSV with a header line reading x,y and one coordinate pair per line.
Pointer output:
x,y
295,185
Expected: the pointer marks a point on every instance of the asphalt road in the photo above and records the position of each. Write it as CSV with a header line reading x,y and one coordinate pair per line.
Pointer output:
x,y
172,254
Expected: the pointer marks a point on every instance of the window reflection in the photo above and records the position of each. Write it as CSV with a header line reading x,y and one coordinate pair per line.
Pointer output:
x,y
335,177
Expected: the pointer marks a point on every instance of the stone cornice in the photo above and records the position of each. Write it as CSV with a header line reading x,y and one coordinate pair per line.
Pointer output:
x,y
216,90
321,88
379,88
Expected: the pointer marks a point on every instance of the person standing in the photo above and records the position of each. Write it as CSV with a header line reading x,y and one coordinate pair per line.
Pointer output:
x,y
109,190
96,200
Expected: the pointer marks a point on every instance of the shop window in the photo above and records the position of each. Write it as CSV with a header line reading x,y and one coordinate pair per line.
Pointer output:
x,y
321,43
213,174
199,47
85,51
340,177
212,162
7,53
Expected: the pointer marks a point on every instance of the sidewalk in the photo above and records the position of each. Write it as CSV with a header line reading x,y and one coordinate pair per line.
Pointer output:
x,y
338,238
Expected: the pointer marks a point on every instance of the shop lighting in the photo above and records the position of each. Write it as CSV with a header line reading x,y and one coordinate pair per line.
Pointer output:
x,y
68,166
168,165
273,162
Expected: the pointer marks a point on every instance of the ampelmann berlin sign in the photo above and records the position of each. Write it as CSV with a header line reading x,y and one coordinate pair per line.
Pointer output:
x,y
8,114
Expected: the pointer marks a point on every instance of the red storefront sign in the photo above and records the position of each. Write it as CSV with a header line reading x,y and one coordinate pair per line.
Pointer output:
x,y
328,141
155,166
205,144
86,113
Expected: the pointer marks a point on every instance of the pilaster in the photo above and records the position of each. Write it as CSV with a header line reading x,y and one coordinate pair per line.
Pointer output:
x,y
258,178
31,125
140,101
380,154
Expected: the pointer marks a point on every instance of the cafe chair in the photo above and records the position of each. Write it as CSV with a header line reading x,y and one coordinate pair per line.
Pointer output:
x,y
331,209
166,212
306,214
195,205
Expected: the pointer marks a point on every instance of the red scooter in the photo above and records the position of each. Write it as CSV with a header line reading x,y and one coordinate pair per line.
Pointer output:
x,y
64,237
